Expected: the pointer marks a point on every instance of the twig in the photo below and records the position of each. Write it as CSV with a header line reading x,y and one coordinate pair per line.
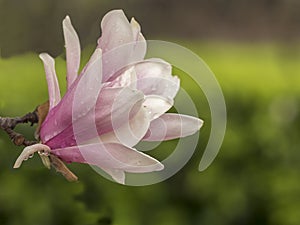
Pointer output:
x,y
8,125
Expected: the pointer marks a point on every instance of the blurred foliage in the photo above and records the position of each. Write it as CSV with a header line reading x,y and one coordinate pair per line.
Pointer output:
x,y
254,179
35,25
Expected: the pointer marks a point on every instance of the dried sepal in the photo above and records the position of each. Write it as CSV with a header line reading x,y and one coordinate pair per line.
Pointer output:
x,y
60,167
46,161
42,112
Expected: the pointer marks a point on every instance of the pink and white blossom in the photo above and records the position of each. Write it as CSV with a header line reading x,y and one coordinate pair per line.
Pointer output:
x,y
132,98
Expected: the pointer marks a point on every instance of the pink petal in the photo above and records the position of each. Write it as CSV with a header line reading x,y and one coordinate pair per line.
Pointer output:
x,y
86,96
170,126
73,51
121,43
154,78
88,88
114,107
110,155
53,87
61,117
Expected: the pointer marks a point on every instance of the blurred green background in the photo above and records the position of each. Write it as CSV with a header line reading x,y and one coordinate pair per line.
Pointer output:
x,y
253,49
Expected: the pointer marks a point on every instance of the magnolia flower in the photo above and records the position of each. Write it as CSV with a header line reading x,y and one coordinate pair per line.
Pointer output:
x,y
118,100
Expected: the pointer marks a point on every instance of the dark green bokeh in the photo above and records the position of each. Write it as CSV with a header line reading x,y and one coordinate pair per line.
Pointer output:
x,y
254,179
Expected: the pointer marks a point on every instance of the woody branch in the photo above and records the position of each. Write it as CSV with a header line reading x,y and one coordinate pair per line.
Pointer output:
x,y
8,125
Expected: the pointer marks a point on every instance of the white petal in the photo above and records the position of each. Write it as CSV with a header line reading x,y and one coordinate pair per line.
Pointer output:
x,y
154,78
130,133
30,150
170,126
153,67
157,105
53,87
116,30
136,28
126,79
141,44
122,44
73,51
117,175
116,106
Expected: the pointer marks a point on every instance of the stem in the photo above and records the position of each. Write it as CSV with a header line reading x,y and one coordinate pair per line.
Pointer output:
x,y
8,125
